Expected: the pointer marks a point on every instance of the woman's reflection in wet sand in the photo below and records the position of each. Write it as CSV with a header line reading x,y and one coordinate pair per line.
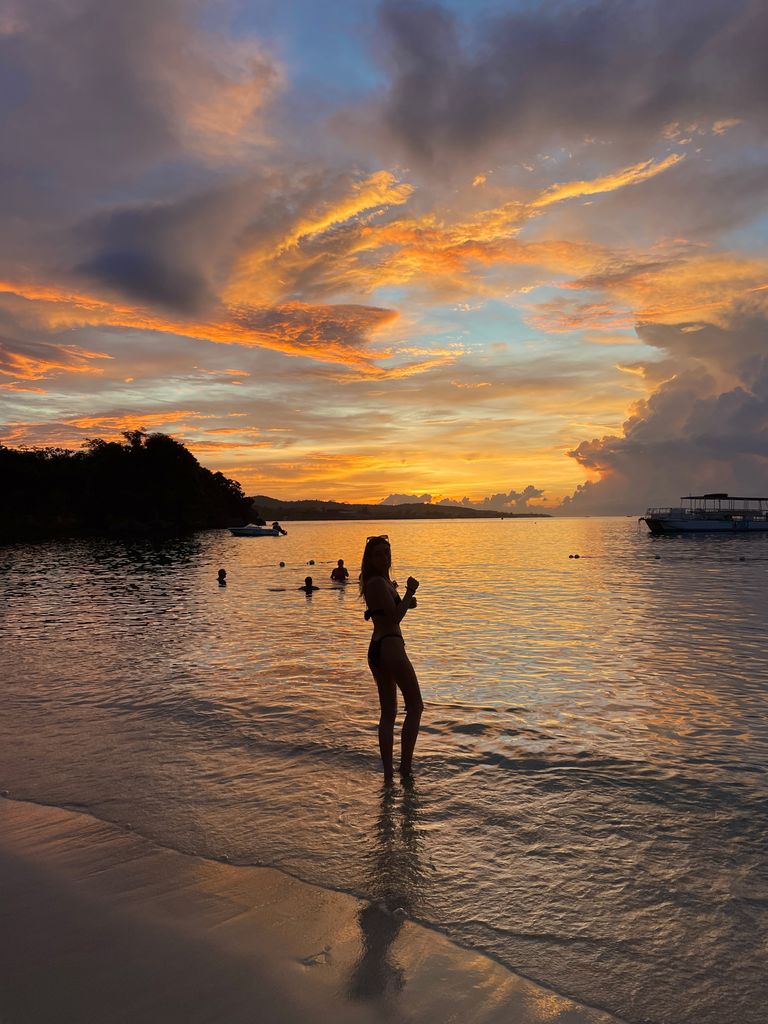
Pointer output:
x,y
396,883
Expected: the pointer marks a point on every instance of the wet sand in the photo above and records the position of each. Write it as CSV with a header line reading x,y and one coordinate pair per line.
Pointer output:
x,y
100,924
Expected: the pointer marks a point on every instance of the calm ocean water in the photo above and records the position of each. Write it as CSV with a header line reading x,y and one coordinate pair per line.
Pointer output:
x,y
591,804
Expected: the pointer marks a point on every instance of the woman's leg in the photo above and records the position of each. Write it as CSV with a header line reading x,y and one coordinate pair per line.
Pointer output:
x,y
408,684
388,702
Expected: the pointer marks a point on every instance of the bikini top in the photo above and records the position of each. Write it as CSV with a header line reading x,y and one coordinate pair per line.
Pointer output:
x,y
370,612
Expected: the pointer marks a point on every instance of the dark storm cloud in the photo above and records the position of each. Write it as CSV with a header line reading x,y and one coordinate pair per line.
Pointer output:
x,y
734,348
145,276
698,200
98,97
619,71
704,429
172,254
93,95
88,93
180,253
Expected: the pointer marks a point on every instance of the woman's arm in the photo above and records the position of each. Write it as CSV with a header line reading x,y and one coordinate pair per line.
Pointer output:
x,y
380,596
408,599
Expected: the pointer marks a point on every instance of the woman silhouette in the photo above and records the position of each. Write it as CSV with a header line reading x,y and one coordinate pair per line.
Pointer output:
x,y
388,662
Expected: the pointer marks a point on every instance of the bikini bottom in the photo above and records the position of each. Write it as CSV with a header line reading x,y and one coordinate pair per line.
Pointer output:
x,y
374,647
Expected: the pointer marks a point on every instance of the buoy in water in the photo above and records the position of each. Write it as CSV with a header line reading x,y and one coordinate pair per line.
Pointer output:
x,y
282,565
742,558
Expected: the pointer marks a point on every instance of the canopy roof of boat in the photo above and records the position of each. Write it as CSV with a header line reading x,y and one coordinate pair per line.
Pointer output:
x,y
724,497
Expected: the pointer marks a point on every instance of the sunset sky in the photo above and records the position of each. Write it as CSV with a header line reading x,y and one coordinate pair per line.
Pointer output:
x,y
513,252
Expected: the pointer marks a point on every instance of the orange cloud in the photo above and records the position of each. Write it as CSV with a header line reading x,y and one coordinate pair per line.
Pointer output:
x,y
190,426
564,315
241,447
13,386
407,250
134,421
218,114
70,432
608,183
381,189
698,286
242,431
329,333
258,274
68,359
223,373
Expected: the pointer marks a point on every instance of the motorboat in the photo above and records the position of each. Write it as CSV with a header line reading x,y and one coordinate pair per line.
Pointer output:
x,y
252,530
709,513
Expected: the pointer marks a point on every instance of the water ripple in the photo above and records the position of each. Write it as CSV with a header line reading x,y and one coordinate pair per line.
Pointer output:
x,y
592,803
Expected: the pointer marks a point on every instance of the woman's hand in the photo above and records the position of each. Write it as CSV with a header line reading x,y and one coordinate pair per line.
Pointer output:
x,y
412,584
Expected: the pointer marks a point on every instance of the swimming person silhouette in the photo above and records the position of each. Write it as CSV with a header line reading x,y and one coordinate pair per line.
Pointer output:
x,y
340,574
387,660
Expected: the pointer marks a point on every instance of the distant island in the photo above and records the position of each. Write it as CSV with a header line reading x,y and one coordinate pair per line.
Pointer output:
x,y
150,483
273,508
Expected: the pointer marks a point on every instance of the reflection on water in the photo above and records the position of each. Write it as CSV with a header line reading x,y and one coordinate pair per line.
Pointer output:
x,y
395,884
591,802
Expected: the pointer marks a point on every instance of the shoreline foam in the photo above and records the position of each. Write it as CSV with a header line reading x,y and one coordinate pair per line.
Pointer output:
x,y
102,924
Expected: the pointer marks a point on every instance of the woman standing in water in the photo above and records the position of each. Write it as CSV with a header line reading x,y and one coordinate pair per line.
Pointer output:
x,y
387,659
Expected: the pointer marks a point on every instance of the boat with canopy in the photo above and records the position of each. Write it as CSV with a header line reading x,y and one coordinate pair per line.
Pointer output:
x,y
711,513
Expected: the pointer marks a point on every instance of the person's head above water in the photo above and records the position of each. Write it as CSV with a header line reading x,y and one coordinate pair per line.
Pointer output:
x,y
377,559
307,581
340,574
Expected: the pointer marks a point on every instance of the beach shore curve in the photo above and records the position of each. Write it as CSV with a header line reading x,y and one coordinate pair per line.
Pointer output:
x,y
103,924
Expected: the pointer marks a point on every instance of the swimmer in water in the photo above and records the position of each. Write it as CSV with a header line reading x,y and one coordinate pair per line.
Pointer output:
x,y
308,585
222,577
387,659
340,574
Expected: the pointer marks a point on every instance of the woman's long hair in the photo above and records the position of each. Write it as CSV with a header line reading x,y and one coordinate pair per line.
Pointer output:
x,y
366,568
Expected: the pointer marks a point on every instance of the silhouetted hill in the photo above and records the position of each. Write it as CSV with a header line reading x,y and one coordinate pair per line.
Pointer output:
x,y
145,483
273,508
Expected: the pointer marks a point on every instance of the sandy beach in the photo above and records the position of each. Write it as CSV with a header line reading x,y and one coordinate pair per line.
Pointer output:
x,y
100,924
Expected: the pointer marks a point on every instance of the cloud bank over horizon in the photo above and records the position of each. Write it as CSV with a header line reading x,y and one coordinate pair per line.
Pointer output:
x,y
514,254
514,501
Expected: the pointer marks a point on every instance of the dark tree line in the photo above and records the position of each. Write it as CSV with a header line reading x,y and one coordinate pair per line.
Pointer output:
x,y
145,483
